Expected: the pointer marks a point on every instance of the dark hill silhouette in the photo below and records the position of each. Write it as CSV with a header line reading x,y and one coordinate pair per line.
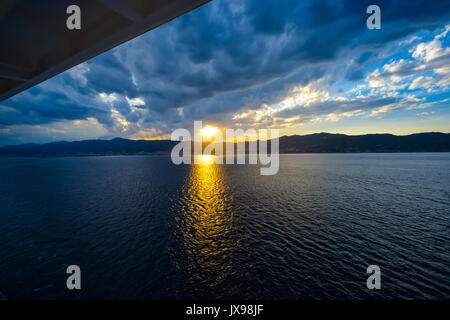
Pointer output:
x,y
89,147
313,143
326,142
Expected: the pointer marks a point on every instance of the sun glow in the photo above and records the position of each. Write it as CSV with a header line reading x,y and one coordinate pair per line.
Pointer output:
x,y
209,132
206,159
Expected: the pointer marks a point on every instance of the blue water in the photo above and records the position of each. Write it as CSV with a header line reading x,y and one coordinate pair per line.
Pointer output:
x,y
140,227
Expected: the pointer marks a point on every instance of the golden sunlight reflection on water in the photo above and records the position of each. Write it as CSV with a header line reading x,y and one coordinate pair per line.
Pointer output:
x,y
203,225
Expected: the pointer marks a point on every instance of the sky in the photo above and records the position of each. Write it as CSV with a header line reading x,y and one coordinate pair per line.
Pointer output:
x,y
300,66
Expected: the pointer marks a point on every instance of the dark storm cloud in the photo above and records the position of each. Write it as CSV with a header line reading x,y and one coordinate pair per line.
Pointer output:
x,y
252,98
39,106
355,70
110,75
216,59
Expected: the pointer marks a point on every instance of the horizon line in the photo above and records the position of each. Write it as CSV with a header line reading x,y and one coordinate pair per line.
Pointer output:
x,y
164,139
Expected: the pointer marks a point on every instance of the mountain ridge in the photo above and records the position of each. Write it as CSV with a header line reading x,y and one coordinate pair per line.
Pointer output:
x,y
312,143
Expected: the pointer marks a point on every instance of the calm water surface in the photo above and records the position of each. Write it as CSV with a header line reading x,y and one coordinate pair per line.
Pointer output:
x,y
141,227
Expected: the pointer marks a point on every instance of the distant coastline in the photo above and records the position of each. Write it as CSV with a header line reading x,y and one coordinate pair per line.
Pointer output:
x,y
312,143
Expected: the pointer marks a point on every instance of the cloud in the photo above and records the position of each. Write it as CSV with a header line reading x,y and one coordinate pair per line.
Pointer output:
x,y
248,63
421,83
56,131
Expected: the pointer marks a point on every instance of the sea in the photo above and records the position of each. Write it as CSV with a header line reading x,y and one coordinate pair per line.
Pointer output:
x,y
140,227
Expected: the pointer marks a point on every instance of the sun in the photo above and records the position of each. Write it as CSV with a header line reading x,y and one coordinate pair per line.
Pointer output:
x,y
209,132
